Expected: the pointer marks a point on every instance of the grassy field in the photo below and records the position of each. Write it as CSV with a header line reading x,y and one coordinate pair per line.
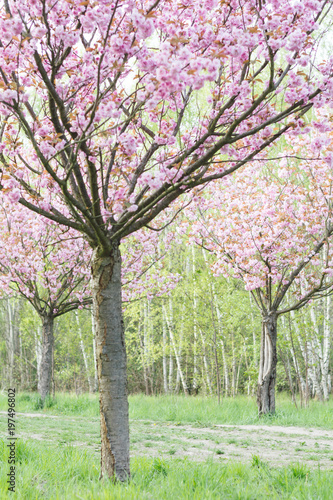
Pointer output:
x,y
195,410
58,450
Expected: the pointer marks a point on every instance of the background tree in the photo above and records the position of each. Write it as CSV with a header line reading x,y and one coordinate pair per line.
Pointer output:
x,y
278,243
47,265
93,102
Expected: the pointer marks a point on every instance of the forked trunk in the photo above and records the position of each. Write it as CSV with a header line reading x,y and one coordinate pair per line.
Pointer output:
x,y
267,365
111,364
45,371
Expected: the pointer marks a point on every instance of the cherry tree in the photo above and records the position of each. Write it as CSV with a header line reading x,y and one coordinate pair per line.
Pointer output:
x,y
48,265
118,108
273,230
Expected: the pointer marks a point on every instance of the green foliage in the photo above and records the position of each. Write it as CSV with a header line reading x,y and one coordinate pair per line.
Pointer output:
x,y
257,462
300,471
192,310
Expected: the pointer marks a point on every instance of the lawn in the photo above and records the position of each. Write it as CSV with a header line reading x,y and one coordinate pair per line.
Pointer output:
x,y
195,410
181,448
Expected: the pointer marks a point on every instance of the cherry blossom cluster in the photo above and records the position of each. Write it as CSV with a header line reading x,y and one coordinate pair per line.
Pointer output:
x,y
136,92
50,265
272,226
47,264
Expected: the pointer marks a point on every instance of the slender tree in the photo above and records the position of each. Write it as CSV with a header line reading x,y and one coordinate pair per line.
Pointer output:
x,y
118,108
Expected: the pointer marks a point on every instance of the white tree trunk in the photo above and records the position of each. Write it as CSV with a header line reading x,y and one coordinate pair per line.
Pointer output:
x,y
165,368
84,354
38,348
315,355
93,328
300,379
310,375
195,326
325,381
181,336
233,379
179,368
12,339
224,360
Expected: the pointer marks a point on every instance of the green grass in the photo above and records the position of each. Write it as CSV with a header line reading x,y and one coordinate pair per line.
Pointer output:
x,y
65,472
58,458
179,409
62,404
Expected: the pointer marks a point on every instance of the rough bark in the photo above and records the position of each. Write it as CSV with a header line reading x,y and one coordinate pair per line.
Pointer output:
x,y
111,364
267,365
45,371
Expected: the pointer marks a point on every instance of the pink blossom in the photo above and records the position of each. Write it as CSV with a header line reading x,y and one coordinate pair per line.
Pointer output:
x,y
14,195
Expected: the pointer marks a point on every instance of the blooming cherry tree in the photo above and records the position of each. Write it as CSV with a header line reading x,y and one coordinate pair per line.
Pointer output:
x,y
273,230
48,265
118,108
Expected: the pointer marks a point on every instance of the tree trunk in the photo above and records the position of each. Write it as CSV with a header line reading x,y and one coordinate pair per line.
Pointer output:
x,y
316,355
94,351
304,383
225,366
205,362
144,350
181,336
84,354
233,381
195,333
38,348
175,349
45,373
300,380
12,339
165,369
239,368
286,364
267,366
111,364
326,348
